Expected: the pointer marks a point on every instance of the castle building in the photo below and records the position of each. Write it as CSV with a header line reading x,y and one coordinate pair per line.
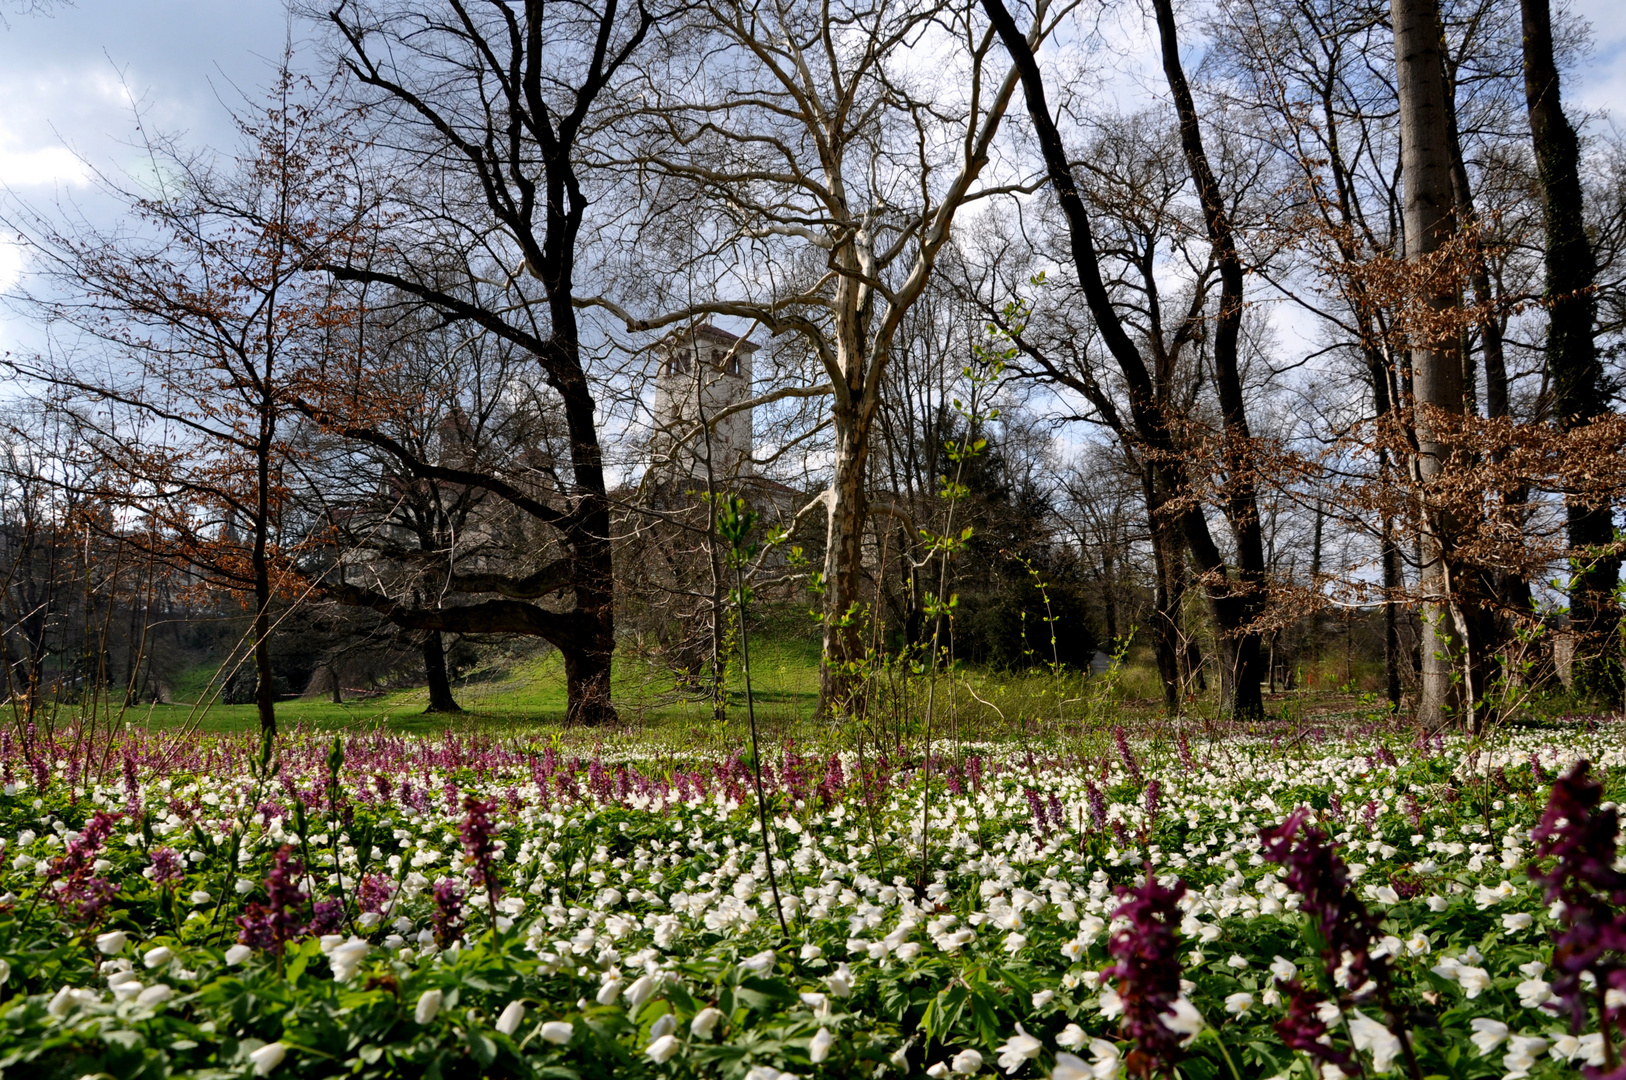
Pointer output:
x,y
702,372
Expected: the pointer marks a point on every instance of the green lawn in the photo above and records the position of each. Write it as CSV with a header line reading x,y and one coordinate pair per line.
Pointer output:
x,y
525,693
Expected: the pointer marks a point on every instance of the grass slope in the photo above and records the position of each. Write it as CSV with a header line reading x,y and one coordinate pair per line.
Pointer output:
x,y
527,692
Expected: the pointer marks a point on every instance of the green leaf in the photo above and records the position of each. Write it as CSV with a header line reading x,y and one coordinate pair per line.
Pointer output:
x,y
482,1047
987,1020
763,994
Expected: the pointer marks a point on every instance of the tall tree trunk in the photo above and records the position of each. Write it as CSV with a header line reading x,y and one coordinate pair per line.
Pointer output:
x,y
1235,597
1312,639
720,609
1572,358
1237,612
846,512
1383,404
588,535
1392,581
265,691
1435,362
1166,603
587,686
434,669
1109,590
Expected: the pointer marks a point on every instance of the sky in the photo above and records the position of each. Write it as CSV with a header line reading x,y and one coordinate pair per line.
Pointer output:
x,y
72,77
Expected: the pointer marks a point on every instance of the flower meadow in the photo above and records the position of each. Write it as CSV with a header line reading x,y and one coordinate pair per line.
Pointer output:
x,y
382,906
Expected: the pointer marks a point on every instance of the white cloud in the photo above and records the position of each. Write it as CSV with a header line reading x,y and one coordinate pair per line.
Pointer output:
x,y
11,265
45,167
48,112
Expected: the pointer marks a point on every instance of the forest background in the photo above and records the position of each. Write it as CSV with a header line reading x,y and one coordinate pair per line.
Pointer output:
x,y
358,393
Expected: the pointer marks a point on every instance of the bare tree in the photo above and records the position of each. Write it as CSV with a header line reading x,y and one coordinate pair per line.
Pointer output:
x,y
1436,367
447,400
1236,594
1136,188
185,343
829,167
483,107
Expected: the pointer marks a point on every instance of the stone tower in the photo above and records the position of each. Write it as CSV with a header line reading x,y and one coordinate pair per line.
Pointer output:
x,y
701,372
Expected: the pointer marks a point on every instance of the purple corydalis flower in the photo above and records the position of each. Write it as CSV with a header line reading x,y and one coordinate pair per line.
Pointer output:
x,y
834,781
280,919
1036,808
132,789
598,780
374,892
414,799
1302,1029
72,874
1126,754
478,831
447,919
167,867
82,850
1098,805
1148,972
91,895
1314,870
1579,837
326,917
1187,760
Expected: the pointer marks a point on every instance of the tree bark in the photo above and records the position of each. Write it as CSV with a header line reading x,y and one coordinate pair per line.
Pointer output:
x,y
587,684
1577,378
593,579
265,691
1437,385
848,510
1166,595
1109,590
1510,591
434,668
1393,580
